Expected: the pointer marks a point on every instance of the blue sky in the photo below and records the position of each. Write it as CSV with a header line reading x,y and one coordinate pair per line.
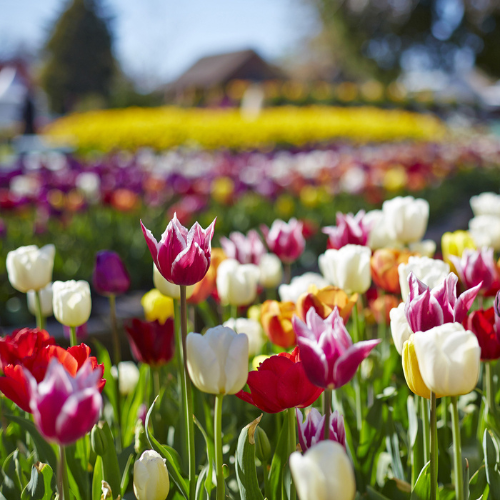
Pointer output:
x,y
157,39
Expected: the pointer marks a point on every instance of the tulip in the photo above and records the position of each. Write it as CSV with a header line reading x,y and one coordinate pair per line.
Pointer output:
x,y
251,329
237,283
110,277
486,204
486,327
300,285
45,295
406,218
384,267
151,480
485,231
379,236
476,267
311,430
347,268
182,257
455,243
30,267
217,362
157,307
411,369
400,328
151,342
271,271
425,248
127,375
382,306
324,301
426,308
279,383
285,239
329,356
169,289
208,285
71,302
448,357
247,249
350,230
276,318
432,272
324,472
65,407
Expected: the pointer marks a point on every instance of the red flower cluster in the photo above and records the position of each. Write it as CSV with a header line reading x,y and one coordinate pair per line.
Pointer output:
x,y
486,326
33,350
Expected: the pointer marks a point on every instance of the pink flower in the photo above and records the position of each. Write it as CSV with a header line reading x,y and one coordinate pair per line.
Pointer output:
x,y
426,308
182,257
476,267
311,430
350,230
329,357
247,249
285,239
65,408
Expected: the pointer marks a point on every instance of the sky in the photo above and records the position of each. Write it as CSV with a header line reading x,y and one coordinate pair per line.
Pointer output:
x,y
156,40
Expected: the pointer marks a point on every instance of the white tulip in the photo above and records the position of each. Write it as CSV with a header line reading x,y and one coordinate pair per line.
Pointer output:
x,y
400,328
169,289
449,358
45,301
432,272
30,268
237,283
324,472
485,231
406,218
151,481
347,268
252,329
300,285
71,302
426,248
217,362
271,270
486,204
129,376
89,184
379,237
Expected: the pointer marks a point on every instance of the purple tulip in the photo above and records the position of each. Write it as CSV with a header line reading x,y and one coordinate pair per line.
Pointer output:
x,y
247,249
110,276
285,239
329,357
311,430
350,230
182,257
65,408
476,267
426,308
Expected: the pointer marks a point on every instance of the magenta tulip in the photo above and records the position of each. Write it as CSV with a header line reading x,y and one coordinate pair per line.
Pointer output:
x,y
65,408
350,230
426,308
182,257
329,357
311,430
476,267
285,239
247,249
110,276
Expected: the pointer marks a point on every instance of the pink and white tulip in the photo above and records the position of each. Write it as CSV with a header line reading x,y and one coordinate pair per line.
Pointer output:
x,y
350,230
311,430
476,267
247,249
285,239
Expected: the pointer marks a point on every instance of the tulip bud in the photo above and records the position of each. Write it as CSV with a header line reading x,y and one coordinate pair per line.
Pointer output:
x,y
486,204
476,267
285,239
237,283
169,289
271,271
30,267
300,285
411,369
384,266
157,307
379,236
276,318
151,481
251,329
426,248
141,442
406,218
45,300
71,302
485,231
110,276
98,440
400,328
455,243
129,376
262,445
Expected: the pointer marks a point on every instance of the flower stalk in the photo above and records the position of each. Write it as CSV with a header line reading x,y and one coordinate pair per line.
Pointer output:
x,y
457,450
490,387
218,447
292,445
433,449
62,475
327,410
40,318
424,408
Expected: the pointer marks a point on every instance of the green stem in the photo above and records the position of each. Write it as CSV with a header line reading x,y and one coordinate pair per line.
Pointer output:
x,y
433,449
424,410
357,384
457,449
287,273
117,358
292,445
62,475
355,324
267,491
188,399
327,409
72,335
490,387
233,311
156,381
40,318
218,447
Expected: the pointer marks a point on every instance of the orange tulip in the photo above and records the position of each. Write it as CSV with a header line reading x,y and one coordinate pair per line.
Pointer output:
x,y
324,302
204,288
276,318
377,307
384,265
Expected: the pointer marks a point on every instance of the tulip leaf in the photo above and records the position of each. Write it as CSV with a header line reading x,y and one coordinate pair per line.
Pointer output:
x,y
201,492
10,486
41,485
97,479
131,407
422,489
374,495
478,485
44,451
173,465
126,475
75,459
210,457
279,462
110,467
491,460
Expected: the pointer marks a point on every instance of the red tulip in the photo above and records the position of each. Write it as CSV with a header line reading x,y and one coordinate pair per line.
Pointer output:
x,y
486,327
151,342
350,230
280,383
285,239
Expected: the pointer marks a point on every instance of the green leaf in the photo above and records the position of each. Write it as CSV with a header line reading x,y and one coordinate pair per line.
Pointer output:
x,y
131,406
246,473
10,486
110,389
110,468
278,463
41,485
478,485
75,459
422,489
126,475
490,448
375,495
210,457
97,479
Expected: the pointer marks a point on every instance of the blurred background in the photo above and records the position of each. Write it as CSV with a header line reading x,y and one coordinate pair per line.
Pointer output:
x,y
115,110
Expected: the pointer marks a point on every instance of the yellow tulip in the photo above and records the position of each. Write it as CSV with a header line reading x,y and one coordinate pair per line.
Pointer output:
x,y
157,306
412,371
455,243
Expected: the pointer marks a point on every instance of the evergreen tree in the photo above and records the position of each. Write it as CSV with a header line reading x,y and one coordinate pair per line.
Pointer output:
x,y
80,63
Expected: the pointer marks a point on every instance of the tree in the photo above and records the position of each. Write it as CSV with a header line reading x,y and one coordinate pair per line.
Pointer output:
x,y
80,63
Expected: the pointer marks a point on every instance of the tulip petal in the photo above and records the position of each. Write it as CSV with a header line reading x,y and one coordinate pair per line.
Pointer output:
x,y
346,366
464,302
315,362
294,389
15,387
236,364
202,363
152,243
